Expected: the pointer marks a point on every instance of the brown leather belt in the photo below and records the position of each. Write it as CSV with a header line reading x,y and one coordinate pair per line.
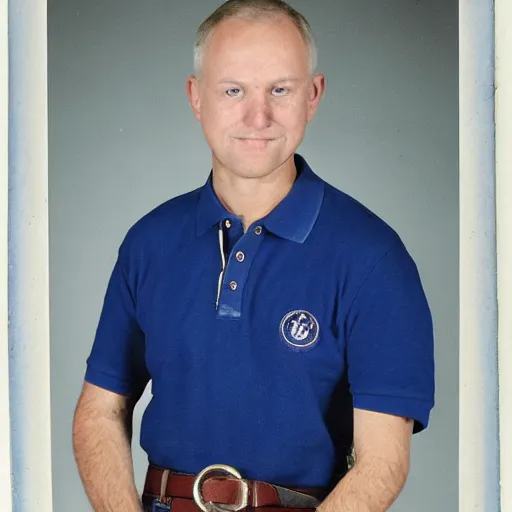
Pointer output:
x,y
176,489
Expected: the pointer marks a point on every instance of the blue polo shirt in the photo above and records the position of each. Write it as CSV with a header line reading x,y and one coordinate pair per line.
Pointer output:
x,y
258,344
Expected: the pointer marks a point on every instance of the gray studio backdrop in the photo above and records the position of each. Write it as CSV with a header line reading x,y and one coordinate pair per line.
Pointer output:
x,y
123,140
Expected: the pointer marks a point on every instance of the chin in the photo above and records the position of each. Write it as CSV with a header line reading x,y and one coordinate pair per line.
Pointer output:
x,y
249,162
255,169
254,173
255,166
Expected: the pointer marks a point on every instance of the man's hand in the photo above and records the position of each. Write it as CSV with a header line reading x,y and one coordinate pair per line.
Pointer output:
x,y
102,430
382,447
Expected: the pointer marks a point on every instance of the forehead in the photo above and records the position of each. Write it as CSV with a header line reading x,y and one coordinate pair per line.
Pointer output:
x,y
259,48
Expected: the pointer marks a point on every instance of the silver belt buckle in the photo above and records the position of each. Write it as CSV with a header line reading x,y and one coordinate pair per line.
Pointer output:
x,y
217,507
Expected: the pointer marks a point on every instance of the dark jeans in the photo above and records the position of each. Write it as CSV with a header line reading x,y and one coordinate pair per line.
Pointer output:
x,y
148,507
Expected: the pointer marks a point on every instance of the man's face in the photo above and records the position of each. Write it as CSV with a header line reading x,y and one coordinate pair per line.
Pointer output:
x,y
255,94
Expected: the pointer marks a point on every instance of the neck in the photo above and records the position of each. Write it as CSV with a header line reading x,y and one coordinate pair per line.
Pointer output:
x,y
253,198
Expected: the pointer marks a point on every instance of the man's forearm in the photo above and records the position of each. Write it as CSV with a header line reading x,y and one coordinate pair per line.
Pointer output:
x,y
102,448
371,485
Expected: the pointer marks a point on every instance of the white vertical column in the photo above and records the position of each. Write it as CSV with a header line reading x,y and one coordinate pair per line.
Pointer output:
x,y
503,109
478,418
5,428
29,347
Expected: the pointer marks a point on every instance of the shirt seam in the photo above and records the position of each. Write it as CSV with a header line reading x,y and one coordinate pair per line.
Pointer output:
x,y
370,272
123,382
382,395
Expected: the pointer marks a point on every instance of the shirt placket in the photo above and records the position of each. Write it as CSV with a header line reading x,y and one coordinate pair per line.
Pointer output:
x,y
235,270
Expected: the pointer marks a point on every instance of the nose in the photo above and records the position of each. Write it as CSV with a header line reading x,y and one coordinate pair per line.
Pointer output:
x,y
258,114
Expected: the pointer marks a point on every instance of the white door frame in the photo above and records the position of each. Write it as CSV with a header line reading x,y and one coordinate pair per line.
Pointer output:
x,y
485,149
485,437
5,425
478,361
503,109
28,278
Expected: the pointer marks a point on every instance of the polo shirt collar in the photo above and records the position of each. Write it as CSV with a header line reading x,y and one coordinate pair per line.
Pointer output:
x,y
293,218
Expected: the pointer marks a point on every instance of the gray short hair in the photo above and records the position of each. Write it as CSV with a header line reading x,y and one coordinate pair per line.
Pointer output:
x,y
252,10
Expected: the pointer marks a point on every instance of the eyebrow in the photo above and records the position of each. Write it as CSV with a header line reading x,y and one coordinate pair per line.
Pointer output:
x,y
280,80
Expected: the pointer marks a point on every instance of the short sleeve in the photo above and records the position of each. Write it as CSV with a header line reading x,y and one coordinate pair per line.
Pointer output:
x,y
117,360
390,345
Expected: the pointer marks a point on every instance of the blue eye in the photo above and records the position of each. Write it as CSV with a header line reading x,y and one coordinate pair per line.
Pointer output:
x,y
279,91
234,91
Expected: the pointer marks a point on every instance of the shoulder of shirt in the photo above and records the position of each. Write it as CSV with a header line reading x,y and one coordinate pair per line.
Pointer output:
x,y
353,224
163,223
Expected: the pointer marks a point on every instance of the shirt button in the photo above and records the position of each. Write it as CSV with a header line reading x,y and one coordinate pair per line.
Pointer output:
x,y
228,223
258,230
233,285
240,256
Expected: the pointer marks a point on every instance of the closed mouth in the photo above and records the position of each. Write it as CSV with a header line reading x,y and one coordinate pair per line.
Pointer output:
x,y
255,140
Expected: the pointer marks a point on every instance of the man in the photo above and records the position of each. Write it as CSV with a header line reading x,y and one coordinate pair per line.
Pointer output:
x,y
279,321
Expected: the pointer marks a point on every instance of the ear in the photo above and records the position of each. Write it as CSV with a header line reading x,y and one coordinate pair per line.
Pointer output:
x,y
315,93
194,96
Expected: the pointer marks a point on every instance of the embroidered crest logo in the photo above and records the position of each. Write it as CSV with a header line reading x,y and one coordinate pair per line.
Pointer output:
x,y
300,329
